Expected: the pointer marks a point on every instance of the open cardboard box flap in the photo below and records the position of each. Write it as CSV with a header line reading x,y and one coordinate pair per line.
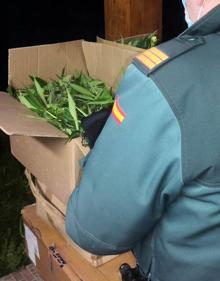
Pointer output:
x,y
39,146
106,62
45,61
15,119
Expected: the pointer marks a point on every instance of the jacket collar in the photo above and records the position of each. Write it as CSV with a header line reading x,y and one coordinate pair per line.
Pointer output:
x,y
210,23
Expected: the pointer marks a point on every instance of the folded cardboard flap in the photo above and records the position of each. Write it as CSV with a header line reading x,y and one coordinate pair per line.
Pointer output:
x,y
45,61
16,119
106,62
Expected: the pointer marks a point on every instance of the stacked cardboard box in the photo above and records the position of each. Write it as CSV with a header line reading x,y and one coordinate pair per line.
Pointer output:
x,y
57,261
56,219
39,146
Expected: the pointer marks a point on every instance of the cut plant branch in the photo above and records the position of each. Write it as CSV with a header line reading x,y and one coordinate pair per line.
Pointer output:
x,y
66,101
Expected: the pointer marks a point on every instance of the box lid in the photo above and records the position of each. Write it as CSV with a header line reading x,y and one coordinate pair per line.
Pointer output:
x,y
106,62
44,61
16,119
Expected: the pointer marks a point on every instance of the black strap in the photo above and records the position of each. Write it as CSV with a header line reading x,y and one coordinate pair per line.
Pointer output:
x,y
132,274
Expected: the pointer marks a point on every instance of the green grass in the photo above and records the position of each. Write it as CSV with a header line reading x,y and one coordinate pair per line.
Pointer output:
x,y
14,195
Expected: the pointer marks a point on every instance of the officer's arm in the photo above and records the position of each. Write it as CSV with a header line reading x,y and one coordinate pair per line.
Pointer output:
x,y
132,173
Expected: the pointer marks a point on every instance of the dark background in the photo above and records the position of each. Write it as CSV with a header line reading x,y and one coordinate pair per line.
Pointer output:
x,y
26,23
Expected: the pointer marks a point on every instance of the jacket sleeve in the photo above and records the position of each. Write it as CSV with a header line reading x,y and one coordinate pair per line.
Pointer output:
x,y
131,175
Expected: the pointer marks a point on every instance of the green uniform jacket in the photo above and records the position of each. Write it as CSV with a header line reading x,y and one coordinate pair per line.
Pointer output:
x,y
152,182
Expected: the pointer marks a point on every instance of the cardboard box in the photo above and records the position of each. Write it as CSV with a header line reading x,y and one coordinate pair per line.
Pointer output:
x,y
117,43
56,261
53,217
39,146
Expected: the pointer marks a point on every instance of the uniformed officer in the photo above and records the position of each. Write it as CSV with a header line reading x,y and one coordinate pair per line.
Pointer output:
x,y
151,184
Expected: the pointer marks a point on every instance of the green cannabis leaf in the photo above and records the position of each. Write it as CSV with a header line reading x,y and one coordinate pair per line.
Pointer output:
x,y
64,102
147,42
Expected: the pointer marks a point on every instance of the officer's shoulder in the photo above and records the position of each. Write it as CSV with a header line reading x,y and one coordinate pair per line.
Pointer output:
x,y
152,59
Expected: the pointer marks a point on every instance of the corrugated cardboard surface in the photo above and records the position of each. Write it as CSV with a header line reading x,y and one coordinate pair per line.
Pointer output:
x,y
39,146
76,268
106,62
54,162
15,119
50,214
45,61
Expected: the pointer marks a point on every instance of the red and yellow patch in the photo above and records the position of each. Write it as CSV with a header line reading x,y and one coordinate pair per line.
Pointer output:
x,y
117,112
152,57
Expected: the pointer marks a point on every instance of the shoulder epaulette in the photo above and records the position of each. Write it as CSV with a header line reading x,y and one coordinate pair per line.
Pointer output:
x,y
152,57
155,57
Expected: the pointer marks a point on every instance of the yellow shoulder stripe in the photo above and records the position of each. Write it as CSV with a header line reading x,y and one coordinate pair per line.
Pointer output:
x,y
152,57
146,61
159,53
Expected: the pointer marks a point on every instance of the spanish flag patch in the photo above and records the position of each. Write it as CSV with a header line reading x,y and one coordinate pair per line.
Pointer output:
x,y
117,112
152,57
